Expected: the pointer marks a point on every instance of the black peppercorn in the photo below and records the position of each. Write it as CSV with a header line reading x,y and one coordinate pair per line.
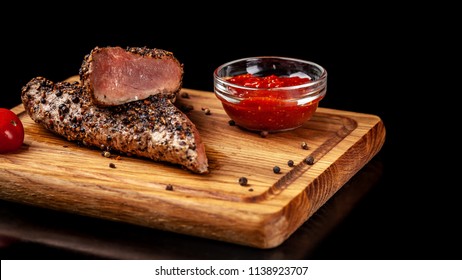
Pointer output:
x,y
63,109
243,181
309,160
112,165
290,163
75,99
231,122
276,169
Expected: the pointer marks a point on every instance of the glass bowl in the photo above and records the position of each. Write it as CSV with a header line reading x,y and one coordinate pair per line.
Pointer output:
x,y
270,93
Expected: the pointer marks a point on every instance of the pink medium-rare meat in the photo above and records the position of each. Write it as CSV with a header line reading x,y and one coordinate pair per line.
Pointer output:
x,y
115,76
152,128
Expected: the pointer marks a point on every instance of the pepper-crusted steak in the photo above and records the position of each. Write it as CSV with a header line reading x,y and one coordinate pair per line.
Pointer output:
x,y
115,76
152,128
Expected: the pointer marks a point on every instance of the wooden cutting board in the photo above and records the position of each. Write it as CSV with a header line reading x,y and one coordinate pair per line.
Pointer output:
x,y
50,172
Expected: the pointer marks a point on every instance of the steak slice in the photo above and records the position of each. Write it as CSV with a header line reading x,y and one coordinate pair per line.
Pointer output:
x,y
115,76
152,128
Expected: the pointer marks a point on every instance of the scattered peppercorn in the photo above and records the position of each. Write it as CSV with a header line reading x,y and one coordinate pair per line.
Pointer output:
x,y
309,160
263,134
304,146
276,169
231,122
106,154
112,165
290,163
243,181
184,94
207,111
250,190
169,187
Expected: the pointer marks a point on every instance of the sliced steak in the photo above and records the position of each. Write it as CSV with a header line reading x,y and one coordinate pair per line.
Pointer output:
x,y
153,128
116,76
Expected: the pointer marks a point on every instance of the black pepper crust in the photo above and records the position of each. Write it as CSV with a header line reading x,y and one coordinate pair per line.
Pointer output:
x,y
152,128
154,53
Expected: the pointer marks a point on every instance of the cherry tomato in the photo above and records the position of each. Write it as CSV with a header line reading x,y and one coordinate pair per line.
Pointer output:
x,y
11,131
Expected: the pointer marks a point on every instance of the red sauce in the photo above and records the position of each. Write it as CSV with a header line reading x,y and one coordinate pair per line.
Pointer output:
x,y
272,81
267,109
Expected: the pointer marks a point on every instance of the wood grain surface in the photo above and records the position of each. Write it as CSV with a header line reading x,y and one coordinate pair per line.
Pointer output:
x,y
50,172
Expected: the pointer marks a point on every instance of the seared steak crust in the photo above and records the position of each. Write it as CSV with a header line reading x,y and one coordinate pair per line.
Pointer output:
x,y
153,128
115,76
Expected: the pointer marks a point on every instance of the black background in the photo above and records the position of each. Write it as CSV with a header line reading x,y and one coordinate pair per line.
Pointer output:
x,y
372,58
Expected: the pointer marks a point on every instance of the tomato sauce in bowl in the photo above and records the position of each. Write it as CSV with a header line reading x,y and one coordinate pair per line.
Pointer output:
x,y
281,99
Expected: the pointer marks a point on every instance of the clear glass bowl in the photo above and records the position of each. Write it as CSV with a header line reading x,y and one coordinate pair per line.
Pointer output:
x,y
266,107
